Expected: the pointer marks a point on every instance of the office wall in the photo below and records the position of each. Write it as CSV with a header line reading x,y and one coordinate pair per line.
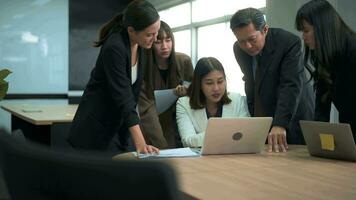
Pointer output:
x,y
347,10
84,24
34,45
281,13
47,44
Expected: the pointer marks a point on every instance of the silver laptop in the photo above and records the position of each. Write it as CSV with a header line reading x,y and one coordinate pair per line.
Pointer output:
x,y
236,135
329,140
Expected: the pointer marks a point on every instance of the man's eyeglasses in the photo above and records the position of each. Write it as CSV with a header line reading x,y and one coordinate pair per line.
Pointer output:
x,y
251,40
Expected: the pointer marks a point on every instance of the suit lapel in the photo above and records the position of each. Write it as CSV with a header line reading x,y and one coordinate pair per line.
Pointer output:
x,y
201,118
247,59
227,110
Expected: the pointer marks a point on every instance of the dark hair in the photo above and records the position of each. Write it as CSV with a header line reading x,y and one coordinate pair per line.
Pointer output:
x,y
246,16
204,66
165,30
139,14
330,34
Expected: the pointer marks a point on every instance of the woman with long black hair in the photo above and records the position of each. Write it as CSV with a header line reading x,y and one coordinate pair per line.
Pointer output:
x,y
330,57
166,69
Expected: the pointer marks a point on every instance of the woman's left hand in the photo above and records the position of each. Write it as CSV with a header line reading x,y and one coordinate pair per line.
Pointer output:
x,y
147,149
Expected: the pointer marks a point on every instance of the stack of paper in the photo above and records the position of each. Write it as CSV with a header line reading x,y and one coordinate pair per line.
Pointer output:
x,y
171,153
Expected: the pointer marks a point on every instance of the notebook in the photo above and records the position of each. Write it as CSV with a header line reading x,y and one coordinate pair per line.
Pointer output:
x,y
329,140
236,135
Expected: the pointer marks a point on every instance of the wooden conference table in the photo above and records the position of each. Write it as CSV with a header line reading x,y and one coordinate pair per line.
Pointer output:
x,y
291,175
42,123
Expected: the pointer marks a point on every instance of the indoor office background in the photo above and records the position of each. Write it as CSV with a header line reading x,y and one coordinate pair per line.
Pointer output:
x,y
47,44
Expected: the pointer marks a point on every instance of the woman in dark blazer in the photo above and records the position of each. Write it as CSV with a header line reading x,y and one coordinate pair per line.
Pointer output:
x,y
330,46
108,105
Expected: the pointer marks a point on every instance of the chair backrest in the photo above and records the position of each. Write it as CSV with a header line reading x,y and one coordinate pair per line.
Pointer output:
x,y
36,172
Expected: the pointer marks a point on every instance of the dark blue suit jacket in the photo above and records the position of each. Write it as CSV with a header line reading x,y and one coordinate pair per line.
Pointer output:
x,y
282,88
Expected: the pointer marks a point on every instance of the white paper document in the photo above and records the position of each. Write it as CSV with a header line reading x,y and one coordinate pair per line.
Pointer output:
x,y
164,99
170,153
186,83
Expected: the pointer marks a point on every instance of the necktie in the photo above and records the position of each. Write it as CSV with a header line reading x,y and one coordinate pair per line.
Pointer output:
x,y
254,66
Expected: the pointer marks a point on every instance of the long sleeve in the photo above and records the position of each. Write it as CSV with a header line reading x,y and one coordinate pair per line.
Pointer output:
x,y
119,83
243,108
188,134
322,102
150,124
290,87
238,106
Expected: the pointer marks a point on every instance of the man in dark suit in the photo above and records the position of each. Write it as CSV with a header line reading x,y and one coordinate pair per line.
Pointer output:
x,y
275,82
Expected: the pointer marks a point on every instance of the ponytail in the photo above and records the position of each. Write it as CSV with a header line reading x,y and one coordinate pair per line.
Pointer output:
x,y
139,14
113,25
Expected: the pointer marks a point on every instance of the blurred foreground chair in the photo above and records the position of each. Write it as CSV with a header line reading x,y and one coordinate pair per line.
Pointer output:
x,y
37,172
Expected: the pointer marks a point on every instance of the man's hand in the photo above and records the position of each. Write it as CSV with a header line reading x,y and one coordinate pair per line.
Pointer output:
x,y
277,139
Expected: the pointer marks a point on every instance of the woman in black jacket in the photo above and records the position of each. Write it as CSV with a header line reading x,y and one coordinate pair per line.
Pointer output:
x,y
330,57
108,105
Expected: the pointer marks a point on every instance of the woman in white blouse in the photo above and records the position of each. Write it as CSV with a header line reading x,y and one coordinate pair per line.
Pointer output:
x,y
207,97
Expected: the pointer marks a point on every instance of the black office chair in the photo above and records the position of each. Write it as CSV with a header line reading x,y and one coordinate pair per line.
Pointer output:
x,y
37,172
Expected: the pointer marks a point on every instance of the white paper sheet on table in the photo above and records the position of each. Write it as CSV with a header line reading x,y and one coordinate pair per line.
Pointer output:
x,y
170,153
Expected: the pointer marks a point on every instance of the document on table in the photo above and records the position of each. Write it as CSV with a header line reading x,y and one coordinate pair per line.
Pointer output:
x,y
170,153
31,110
164,99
